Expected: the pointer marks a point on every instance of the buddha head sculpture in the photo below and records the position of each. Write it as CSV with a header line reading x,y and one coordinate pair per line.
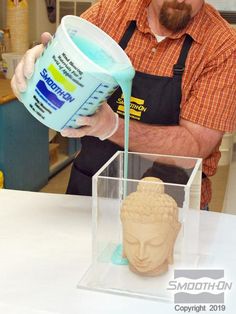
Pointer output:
x,y
150,227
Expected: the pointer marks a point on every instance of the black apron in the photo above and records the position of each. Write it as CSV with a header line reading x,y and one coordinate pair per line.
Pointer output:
x,y
154,100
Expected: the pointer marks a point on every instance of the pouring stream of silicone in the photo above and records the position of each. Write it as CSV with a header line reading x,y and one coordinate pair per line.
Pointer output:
x,y
122,74
124,79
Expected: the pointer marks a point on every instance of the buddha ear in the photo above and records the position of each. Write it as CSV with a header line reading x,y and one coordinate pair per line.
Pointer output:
x,y
177,229
170,257
123,249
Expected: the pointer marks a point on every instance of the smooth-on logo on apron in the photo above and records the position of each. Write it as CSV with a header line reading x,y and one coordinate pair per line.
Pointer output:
x,y
137,107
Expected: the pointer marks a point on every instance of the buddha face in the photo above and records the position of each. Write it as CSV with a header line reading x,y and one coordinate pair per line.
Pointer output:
x,y
148,247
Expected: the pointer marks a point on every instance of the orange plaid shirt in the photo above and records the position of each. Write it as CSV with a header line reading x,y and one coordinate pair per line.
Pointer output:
x,y
209,80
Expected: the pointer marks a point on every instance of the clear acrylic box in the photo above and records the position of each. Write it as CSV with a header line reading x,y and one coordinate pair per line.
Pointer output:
x,y
182,181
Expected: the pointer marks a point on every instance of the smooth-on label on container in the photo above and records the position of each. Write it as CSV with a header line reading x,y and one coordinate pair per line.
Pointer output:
x,y
59,91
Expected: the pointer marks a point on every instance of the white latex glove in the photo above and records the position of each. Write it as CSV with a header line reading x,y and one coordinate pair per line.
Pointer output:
x,y
25,67
103,124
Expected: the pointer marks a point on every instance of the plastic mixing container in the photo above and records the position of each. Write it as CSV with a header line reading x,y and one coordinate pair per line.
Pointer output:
x,y
67,83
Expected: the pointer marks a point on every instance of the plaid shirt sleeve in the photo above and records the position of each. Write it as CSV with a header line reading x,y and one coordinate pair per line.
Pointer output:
x,y
212,100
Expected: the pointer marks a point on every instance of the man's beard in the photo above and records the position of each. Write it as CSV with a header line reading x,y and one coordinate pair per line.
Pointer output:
x,y
175,16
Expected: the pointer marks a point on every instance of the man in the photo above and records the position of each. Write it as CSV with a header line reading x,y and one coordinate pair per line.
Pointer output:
x,y
184,55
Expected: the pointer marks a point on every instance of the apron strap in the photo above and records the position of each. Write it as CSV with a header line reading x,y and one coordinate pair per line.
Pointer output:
x,y
127,35
178,68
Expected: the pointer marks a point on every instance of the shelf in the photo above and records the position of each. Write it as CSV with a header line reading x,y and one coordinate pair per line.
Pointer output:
x,y
63,161
61,152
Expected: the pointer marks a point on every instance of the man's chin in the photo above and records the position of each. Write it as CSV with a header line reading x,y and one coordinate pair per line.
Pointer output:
x,y
175,19
177,27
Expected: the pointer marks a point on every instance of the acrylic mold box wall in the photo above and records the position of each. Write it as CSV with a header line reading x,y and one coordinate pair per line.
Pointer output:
x,y
109,271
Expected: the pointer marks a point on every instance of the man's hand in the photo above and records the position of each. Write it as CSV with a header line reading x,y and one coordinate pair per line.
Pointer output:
x,y
25,68
103,124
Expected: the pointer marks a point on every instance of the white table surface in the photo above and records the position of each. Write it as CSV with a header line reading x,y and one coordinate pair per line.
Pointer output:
x,y
45,246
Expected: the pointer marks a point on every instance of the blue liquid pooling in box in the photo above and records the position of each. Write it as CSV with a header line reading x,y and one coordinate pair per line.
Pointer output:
x,y
117,257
